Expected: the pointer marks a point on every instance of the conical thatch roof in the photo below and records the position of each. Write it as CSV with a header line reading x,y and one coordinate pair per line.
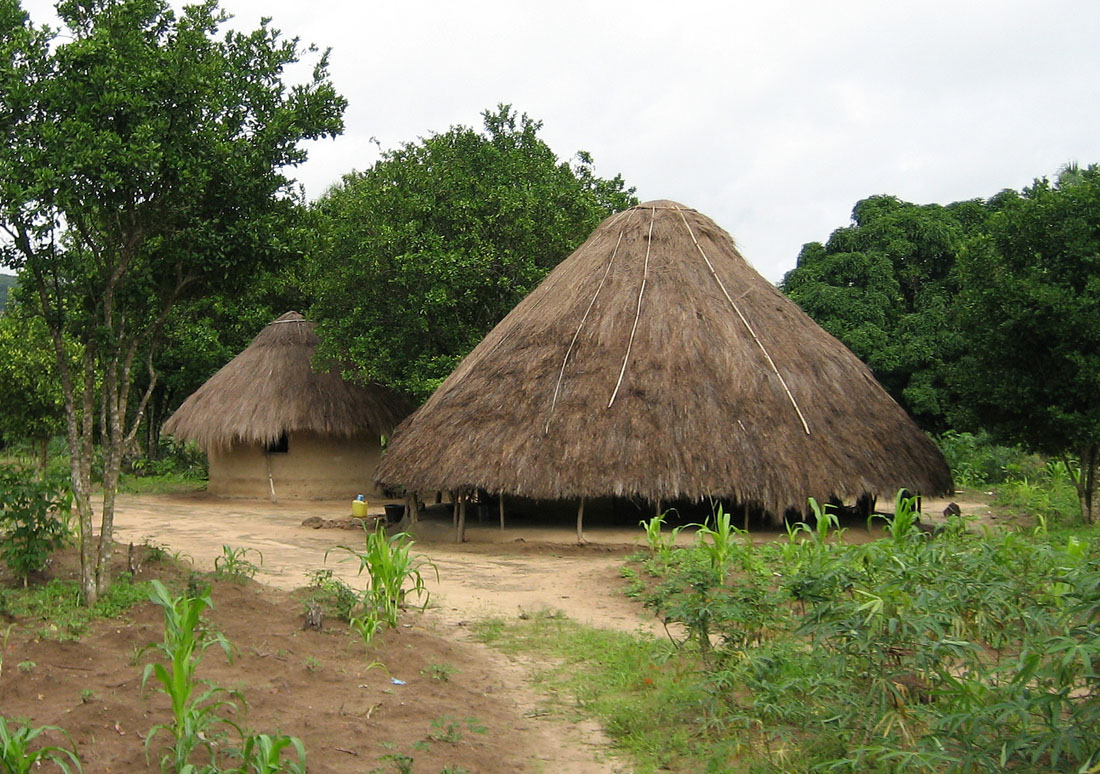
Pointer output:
x,y
655,362
271,388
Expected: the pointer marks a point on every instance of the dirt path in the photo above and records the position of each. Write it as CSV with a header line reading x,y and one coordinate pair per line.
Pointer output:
x,y
493,574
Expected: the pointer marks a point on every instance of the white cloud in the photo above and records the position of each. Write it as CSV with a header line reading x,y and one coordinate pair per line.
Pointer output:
x,y
771,118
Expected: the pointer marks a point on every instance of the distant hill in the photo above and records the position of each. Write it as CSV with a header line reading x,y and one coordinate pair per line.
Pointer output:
x,y
6,281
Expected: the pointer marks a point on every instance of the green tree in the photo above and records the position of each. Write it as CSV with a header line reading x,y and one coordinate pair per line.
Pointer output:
x,y
142,165
422,253
1030,304
34,406
885,286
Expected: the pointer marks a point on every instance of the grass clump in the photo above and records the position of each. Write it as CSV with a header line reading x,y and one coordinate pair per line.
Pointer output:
x,y
630,682
56,605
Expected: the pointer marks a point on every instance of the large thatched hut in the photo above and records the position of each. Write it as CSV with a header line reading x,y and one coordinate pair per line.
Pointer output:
x,y
655,363
273,426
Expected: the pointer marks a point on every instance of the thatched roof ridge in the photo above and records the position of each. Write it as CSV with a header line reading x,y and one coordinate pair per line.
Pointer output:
x,y
655,362
271,388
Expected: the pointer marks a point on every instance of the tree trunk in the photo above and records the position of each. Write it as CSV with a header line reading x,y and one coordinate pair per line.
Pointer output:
x,y
43,459
580,521
1086,483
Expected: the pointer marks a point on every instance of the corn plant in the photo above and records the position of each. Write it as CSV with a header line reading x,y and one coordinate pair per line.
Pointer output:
x,y
718,543
17,757
197,706
263,754
234,564
659,545
904,522
390,565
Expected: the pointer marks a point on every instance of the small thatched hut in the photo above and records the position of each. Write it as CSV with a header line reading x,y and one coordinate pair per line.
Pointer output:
x,y
655,363
273,426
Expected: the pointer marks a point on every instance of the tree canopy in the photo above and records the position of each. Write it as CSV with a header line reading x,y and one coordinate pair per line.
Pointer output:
x,y
885,286
144,164
422,253
1030,306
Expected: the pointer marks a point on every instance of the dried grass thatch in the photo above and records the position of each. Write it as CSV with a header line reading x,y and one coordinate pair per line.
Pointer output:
x,y
655,362
271,388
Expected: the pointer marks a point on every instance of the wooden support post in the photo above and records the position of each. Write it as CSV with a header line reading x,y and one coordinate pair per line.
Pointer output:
x,y
745,507
580,522
501,503
658,511
411,508
460,534
438,497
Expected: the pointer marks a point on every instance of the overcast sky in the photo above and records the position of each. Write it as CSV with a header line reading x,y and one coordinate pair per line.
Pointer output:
x,y
773,118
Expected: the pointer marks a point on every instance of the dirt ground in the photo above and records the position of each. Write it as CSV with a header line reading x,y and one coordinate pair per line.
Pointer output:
x,y
318,685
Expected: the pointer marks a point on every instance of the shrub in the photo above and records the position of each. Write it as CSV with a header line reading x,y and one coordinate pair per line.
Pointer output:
x,y
34,519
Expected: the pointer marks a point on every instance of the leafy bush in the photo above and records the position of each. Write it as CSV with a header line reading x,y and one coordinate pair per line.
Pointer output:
x,y
956,653
975,460
34,519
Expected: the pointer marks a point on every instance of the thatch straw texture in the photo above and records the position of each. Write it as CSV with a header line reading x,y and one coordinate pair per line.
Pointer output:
x,y
271,388
655,362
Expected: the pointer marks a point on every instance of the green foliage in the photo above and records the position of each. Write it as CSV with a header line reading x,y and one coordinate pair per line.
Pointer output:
x,y
449,729
128,130
440,672
264,754
34,407
56,605
34,520
390,565
234,564
17,757
1031,306
336,598
975,460
885,286
197,708
647,700
948,654
425,251
7,281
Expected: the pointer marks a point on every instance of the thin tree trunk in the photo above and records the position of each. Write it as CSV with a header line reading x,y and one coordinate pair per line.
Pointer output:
x,y
1085,482
43,460
500,504
580,521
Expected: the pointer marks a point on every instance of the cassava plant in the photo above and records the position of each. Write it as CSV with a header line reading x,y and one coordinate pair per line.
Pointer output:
x,y
34,519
